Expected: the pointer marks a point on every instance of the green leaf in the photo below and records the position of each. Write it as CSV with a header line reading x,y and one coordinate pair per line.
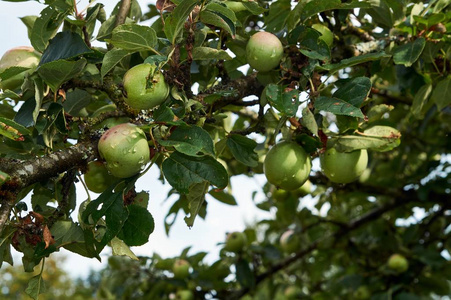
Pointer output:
x,y
76,100
70,236
409,53
354,91
35,287
45,27
111,206
11,72
112,58
196,198
308,120
277,16
253,7
441,95
242,149
12,130
223,197
119,248
138,227
306,9
338,107
134,37
377,138
244,274
58,72
311,44
182,171
285,102
420,100
64,45
174,23
3,177
219,20
190,140
207,53
349,62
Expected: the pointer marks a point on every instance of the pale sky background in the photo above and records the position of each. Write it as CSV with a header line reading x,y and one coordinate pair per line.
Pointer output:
x,y
204,236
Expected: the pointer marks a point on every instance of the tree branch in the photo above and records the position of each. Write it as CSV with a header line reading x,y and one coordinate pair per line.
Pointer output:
x,y
28,172
123,12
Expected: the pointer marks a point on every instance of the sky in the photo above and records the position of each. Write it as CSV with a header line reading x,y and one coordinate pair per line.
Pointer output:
x,y
204,236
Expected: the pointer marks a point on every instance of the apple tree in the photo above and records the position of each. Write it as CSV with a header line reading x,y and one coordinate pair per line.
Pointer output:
x,y
360,88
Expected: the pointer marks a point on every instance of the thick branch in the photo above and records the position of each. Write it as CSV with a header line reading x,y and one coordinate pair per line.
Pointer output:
x,y
28,172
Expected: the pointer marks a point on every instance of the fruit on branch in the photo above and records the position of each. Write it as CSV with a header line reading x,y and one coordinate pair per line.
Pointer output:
x,y
24,57
235,242
97,178
181,269
125,150
287,165
398,263
264,51
343,167
184,295
289,241
280,195
326,35
145,87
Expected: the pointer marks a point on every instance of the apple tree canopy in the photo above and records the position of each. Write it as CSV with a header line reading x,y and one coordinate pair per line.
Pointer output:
x,y
353,75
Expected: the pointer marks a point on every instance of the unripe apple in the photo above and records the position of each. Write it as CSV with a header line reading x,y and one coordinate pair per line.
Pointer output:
x,y
181,269
326,35
398,263
145,87
235,242
18,57
97,178
184,295
343,167
125,150
264,51
289,241
287,165
304,190
292,292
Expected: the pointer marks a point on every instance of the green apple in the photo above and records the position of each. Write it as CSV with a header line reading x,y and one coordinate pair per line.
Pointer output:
x,y
343,167
181,269
280,195
124,148
264,51
235,6
145,87
287,166
235,242
304,190
398,263
326,35
289,241
362,293
292,292
97,178
184,295
24,57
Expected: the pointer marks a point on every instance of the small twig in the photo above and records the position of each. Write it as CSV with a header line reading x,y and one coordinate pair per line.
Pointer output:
x,y
123,12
